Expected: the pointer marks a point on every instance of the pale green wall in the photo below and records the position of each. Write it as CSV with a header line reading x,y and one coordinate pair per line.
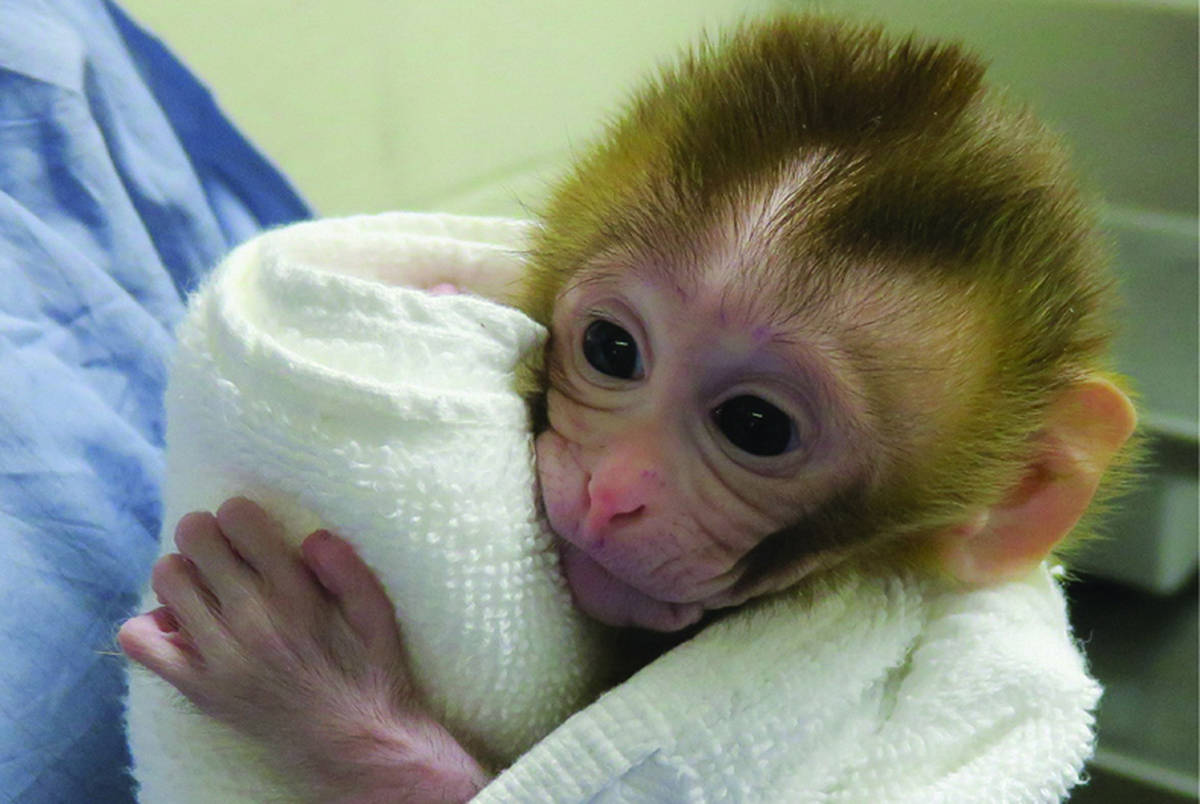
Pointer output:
x,y
382,104
468,104
1117,77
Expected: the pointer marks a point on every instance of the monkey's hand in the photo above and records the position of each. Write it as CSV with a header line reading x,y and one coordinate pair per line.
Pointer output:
x,y
300,652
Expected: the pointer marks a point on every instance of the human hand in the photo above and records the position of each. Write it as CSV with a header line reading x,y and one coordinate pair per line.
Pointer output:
x,y
301,652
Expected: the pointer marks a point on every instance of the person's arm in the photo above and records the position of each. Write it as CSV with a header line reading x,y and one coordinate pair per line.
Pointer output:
x,y
301,652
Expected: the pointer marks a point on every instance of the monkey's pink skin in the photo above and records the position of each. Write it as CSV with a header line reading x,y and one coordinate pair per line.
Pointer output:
x,y
301,652
361,598
604,597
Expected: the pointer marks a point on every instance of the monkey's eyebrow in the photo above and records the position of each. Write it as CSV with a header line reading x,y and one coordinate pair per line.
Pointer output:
x,y
839,393
599,274
650,262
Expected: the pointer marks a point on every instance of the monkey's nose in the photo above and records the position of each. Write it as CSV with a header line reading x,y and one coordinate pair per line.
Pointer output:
x,y
616,502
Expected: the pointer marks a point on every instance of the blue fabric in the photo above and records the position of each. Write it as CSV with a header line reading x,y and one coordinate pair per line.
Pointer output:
x,y
121,184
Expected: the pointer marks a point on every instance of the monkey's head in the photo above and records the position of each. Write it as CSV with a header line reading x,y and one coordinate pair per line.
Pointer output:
x,y
818,296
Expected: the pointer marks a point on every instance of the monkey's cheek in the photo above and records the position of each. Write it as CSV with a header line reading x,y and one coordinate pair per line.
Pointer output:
x,y
562,482
562,508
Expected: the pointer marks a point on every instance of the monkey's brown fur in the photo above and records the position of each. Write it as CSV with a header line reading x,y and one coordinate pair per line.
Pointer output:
x,y
904,175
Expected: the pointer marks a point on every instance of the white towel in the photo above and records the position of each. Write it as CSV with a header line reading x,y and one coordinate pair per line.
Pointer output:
x,y
885,688
298,380
307,379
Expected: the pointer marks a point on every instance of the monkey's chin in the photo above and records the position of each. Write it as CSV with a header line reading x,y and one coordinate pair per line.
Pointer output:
x,y
604,597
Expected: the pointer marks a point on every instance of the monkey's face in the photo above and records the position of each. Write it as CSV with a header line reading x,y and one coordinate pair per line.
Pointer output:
x,y
686,424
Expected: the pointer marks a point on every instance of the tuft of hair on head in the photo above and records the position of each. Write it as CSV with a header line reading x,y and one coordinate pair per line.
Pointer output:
x,y
728,115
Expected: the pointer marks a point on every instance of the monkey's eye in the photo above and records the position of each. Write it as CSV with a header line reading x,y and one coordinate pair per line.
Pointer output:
x,y
754,425
611,350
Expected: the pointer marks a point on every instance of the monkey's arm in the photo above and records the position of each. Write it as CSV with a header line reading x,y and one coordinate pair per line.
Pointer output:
x,y
300,652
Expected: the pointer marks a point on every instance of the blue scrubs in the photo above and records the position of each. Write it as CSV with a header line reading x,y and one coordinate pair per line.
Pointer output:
x,y
121,185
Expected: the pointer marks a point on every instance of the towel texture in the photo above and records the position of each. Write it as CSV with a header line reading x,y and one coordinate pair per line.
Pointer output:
x,y
306,376
308,379
885,688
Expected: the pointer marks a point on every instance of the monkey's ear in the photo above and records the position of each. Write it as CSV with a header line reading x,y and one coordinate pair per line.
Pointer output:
x,y
1085,427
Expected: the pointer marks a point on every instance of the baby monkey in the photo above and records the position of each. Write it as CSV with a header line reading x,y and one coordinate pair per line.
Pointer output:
x,y
818,298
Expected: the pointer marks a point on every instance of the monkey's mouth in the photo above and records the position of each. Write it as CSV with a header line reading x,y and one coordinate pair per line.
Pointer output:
x,y
605,597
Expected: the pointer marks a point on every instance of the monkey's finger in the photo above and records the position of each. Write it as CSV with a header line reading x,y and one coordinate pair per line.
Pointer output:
x,y
222,570
259,540
151,641
179,587
359,594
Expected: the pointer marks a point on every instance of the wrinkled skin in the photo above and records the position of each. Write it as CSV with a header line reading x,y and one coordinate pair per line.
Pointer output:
x,y
655,505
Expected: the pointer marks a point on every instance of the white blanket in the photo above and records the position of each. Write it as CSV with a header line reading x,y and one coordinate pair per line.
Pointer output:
x,y
386,415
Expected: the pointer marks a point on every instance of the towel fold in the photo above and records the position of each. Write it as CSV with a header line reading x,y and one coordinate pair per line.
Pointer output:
x,y
310,380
